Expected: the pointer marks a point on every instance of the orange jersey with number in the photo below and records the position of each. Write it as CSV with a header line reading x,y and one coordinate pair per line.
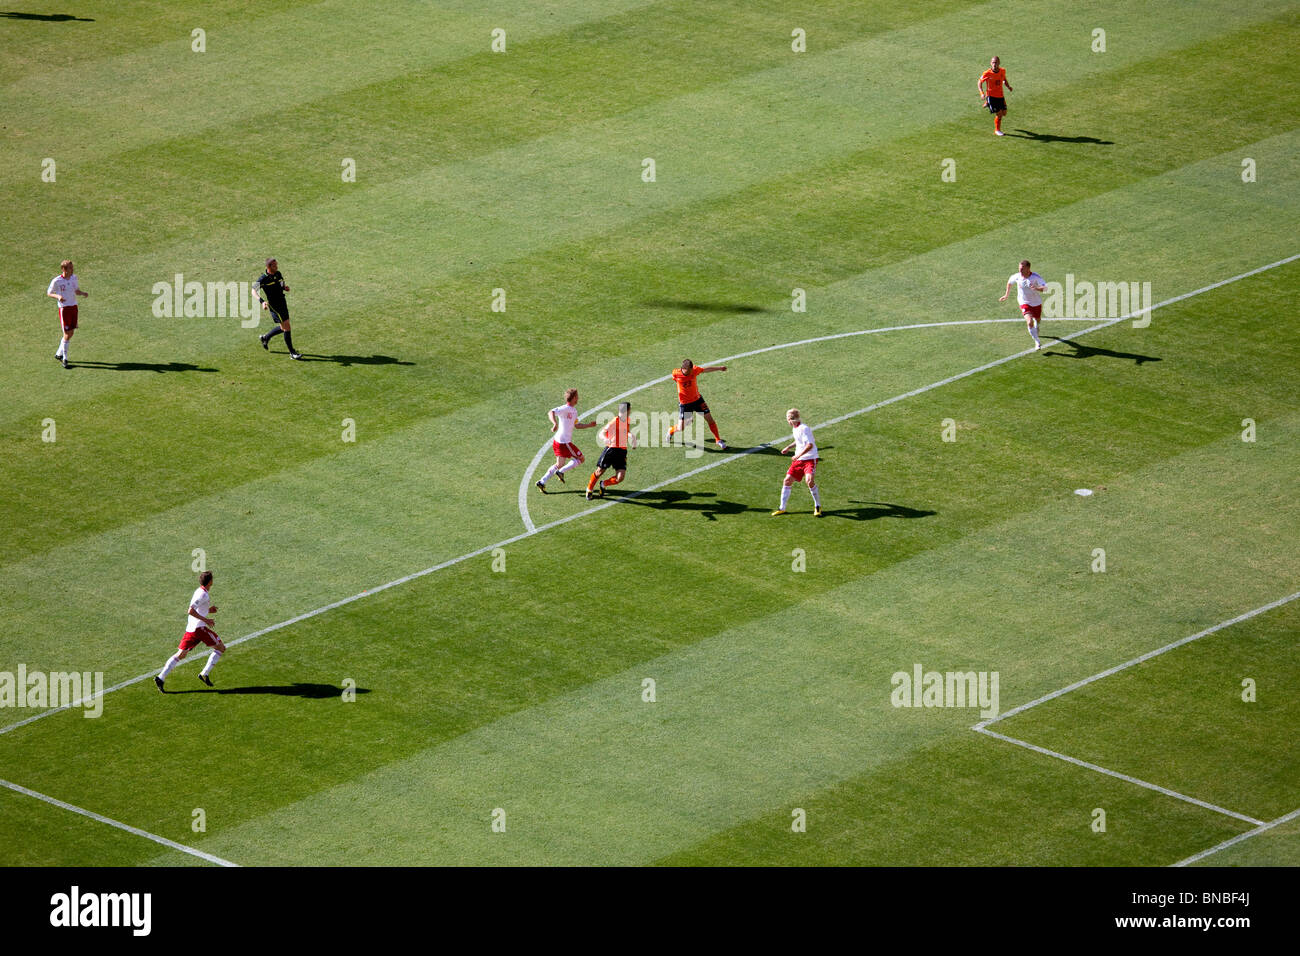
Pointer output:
x,y
994,80
687,390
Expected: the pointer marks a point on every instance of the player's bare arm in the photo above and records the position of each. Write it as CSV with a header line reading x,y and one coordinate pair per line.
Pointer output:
x,y
555,425
590,424
1007,293
205,620
713,368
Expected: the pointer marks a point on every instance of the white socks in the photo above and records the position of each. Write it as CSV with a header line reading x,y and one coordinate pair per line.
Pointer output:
x,y
212,662
63,348
170,665
785,496
817,499
1033,330
573,463
549,471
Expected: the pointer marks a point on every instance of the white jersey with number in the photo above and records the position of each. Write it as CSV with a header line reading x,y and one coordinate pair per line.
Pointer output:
x,y
1026,295
201,602
803,436
567,416
66,288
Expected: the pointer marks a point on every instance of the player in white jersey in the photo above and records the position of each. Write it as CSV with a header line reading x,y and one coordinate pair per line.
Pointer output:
x,y
804,466
564,419
198,630
65,289
1028,285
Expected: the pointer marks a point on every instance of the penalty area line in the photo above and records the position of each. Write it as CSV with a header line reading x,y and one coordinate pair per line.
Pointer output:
x,y
99,817
526,482
1233,841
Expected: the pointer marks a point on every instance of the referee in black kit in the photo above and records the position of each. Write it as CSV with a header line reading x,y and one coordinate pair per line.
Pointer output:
x,y
271,284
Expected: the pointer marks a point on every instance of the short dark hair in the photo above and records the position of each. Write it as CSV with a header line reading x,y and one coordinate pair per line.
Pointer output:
x,y
687,365
1025,263
270,260
205,578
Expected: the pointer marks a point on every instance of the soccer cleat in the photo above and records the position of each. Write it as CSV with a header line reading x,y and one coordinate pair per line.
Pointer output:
x,y
65,362
58,356
206,679
295,355
778,511
266,343
722,444
817,512
158,682
999,132
600,489
1037,346
541,486
588,494
560,475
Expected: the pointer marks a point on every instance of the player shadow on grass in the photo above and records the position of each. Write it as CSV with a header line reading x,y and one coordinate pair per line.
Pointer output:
x,y
309,691
350,360
1088,351
677,500
1053,138
877,509
142,366
47,17
690,305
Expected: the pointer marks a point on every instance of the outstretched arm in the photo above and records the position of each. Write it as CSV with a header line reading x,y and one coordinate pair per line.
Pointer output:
x,y
713,368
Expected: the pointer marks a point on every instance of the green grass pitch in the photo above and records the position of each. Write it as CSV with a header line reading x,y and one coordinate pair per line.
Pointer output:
x,y
673,677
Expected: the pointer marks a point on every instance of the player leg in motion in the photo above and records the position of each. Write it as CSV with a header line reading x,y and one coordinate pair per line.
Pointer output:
x,y
272,285
1028,285
804,466
564,419
64,288
990,89
690,401
197,632
616,437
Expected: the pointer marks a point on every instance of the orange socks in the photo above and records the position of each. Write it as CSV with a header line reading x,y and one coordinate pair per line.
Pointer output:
x,y
591,482
611,482
997,122
714,428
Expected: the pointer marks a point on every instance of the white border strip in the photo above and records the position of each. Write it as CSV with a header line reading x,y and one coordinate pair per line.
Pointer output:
x,y
121,826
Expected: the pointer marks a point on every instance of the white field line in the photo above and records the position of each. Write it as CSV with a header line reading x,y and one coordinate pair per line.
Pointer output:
x,y
609,503
1238,838
526,482
1120,776
1138,660
121,826
982,726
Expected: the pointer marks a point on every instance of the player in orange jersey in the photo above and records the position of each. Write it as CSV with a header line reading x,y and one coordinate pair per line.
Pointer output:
x,y
990,88
690,401
616,437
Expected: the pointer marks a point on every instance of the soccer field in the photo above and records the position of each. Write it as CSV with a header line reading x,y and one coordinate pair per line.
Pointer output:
x,y
480,204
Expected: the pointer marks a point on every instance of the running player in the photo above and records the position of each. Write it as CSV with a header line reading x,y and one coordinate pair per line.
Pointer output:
x,y
690,401
992,80
273,285
64,288
564,420
616,437
804,466
1028,285
198,631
